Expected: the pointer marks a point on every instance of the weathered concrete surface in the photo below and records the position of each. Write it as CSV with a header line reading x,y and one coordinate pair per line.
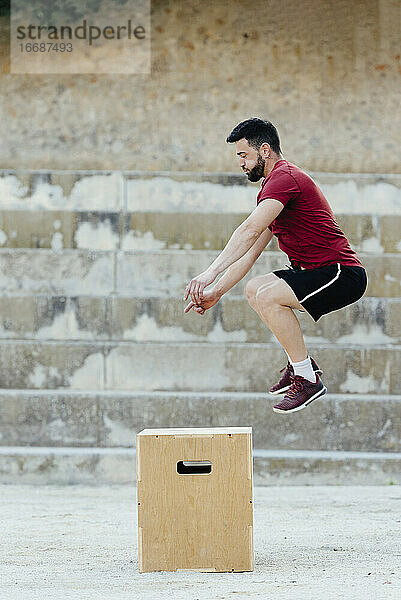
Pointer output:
x,y
152,273
172,192
191,366
60,190
63,465
199,231
59,229
350,422
44,317
161,273
70,272
101,230
81,265
326,73
369,321
40,317
52,365
61,419
225,193
240,367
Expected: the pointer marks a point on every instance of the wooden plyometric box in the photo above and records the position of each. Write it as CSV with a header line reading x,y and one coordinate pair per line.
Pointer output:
x,y
195,501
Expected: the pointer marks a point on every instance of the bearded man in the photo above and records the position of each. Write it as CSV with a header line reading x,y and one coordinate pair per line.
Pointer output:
x,y
324,274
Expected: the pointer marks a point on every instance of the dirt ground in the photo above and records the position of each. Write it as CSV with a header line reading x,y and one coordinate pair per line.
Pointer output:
x,y
311,543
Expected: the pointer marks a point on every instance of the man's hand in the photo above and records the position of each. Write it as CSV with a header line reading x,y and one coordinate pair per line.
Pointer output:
x,y
196,286
210,298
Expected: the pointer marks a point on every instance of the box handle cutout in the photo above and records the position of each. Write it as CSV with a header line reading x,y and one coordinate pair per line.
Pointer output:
x,y
194,467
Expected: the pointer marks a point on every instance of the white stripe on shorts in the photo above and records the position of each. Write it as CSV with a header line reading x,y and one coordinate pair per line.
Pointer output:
x,y
323,286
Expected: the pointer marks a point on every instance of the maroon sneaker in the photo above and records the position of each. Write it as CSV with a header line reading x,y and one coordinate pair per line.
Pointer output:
x,y
301,393
284,384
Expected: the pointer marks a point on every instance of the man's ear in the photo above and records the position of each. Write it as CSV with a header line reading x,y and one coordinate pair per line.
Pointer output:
x,y
265,150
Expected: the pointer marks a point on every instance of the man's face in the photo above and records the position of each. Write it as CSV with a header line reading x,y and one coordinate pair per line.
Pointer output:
x,y
250,160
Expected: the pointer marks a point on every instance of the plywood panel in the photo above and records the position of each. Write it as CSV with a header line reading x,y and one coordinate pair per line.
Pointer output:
x,y
200,521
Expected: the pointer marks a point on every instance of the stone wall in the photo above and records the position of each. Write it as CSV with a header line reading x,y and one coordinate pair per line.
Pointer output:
x,y
327,73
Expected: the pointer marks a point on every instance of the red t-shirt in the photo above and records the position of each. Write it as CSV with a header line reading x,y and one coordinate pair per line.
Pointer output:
x,y
306,228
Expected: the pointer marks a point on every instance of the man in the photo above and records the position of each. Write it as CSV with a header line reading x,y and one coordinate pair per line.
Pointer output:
x,y
324,274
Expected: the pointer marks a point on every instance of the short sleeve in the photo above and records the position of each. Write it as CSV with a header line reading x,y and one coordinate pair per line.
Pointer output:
x,y
282,187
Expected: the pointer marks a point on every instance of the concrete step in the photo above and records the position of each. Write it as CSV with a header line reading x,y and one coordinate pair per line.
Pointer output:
x,y
366,233
190,366
25,189
56,317
144,274
58,229
43,317
168,273
109,419
182,191
231,192
105,230
270,467
71,272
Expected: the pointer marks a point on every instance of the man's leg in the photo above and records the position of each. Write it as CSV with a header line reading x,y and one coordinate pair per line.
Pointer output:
x,y
274,300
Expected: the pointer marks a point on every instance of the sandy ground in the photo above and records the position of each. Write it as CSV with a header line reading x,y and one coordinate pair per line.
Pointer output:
x,y
318,543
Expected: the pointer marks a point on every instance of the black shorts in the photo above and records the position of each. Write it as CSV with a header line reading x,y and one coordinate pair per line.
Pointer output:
x,y
328,288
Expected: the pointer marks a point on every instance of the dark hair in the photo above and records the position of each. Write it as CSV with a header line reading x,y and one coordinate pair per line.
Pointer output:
x,y
256,132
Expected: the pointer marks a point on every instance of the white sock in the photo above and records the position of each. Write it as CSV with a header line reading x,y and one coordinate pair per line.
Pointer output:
x,y
304,368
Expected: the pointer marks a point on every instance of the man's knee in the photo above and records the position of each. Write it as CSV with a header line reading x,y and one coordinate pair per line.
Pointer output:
x,y
275,295
251,288
266,297
255,284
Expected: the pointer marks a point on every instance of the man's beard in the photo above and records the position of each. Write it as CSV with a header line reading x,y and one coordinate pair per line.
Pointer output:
x,y
258,170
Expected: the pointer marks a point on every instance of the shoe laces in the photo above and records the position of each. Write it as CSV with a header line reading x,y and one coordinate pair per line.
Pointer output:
x,y
296,385
284,368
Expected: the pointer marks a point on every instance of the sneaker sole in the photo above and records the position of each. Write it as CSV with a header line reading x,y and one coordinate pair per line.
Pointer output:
x,y
281,391
291,410
287,387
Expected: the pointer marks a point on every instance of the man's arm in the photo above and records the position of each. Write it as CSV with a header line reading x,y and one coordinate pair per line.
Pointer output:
x,y
247,233
239,243
232,276
240,268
